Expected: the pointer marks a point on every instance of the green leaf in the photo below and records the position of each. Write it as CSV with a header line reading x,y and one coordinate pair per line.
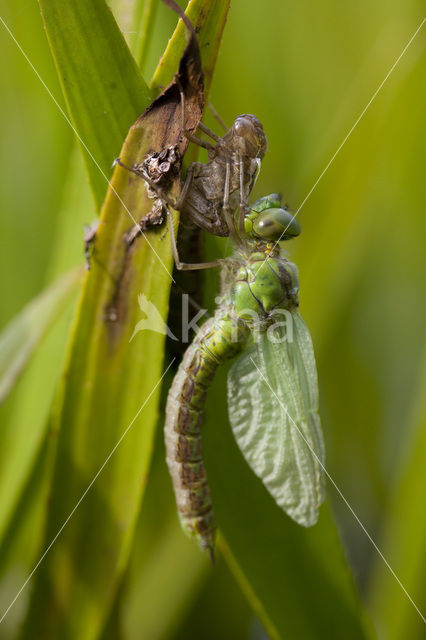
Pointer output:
x,y
290,574
108,407
165,570
25,412
146,22
24,476
27,464
404,541
157,603
208,20
109,384
109,400
102,84
20,547
23,334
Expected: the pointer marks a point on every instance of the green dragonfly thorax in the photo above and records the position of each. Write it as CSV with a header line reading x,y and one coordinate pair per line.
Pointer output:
x,y
263,283
263,280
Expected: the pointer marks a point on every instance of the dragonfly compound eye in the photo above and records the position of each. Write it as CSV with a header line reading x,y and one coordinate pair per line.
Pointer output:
x,y
275,225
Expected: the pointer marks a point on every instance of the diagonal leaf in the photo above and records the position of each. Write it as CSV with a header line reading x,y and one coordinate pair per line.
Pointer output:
x,y
23,429
21,544
404,542
102,84
23,334
24,484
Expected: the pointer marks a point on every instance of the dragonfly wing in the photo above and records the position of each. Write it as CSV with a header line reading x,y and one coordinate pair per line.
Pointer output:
x,y
273,410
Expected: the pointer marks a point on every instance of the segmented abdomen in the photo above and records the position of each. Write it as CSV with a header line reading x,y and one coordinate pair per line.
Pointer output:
x,y
218,340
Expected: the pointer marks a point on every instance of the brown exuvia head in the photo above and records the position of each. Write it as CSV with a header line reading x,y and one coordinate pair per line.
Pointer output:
x,y
246,137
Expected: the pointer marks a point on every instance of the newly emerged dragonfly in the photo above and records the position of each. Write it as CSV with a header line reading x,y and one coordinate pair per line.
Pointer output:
x,y
272,387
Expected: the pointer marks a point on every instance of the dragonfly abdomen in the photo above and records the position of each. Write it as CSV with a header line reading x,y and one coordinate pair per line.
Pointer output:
x,y
219,339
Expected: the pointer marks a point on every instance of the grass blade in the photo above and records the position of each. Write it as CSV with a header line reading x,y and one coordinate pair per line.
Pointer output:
x,y
404,542
148,12
23,334
23,429
103,87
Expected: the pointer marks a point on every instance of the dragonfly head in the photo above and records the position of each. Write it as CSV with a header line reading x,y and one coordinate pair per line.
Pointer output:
x,y
247,138
267,220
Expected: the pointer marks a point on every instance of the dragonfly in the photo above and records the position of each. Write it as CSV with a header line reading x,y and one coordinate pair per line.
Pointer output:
x,y
272,386
232,167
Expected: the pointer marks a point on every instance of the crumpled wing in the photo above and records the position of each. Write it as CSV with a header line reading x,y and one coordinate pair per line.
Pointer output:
x,y
273,410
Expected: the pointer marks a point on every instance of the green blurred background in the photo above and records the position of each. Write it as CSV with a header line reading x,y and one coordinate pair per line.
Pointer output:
x,y
307,70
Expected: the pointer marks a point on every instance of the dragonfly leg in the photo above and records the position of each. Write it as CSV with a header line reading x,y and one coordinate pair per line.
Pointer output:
x,y
226,209
175,204
149,221
185,266
188,181
199,141
209,132
163,196
186,133
217,117
242,206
